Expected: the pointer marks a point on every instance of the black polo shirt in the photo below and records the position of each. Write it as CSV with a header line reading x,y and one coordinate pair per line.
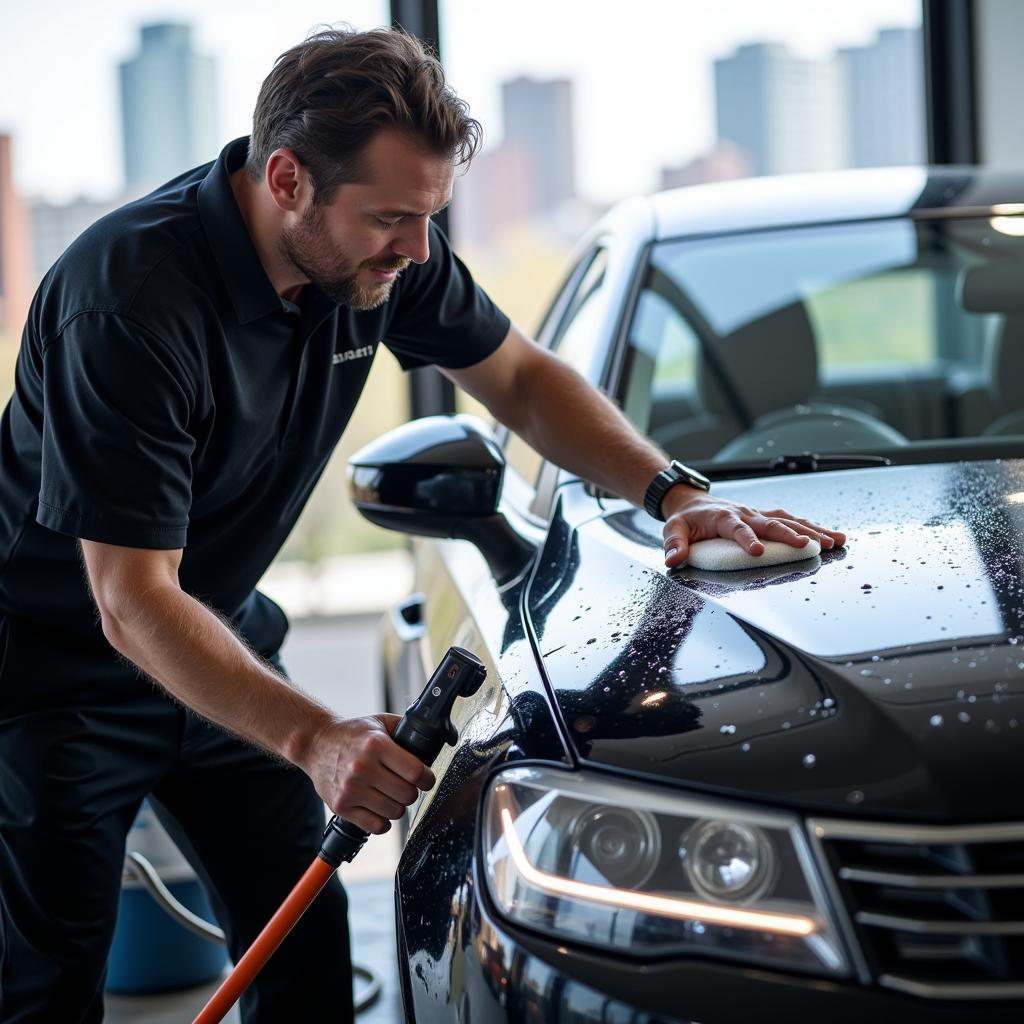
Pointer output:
x,y
167,397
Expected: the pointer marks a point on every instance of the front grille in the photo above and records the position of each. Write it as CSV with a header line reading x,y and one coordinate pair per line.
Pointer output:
x,y
936,911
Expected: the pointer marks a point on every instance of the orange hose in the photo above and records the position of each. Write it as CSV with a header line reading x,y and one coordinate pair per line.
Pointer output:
x,y
305,891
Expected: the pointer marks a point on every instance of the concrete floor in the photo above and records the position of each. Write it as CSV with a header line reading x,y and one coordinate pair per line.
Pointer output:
x,y
336,660
373,945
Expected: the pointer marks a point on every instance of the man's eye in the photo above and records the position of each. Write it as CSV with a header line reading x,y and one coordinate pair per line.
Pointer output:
x,y
386,223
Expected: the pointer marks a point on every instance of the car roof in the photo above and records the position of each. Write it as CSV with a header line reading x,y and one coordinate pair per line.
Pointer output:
x,y
789,200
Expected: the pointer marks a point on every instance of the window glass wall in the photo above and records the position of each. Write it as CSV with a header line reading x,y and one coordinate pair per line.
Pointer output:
x,y
584,103
100,103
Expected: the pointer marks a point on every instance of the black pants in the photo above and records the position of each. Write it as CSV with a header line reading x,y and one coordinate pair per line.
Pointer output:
x,y
81,743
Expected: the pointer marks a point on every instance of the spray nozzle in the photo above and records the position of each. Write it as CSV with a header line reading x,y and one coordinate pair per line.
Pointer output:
x,y
427,725
424,729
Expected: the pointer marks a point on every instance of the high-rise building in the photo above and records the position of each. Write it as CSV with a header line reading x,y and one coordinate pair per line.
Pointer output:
x,y
786,112
885,93
168,100
15,254
538,117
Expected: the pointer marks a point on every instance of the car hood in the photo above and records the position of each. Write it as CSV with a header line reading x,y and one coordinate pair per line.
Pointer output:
x,y
886,678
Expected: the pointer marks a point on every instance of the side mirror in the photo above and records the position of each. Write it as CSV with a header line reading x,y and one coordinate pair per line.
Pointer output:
x,y
440,476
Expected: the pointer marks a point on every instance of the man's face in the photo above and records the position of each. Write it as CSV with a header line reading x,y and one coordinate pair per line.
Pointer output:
x,y
354,247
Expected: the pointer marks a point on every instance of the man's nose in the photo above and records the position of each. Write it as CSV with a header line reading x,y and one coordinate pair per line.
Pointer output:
x,y
413,243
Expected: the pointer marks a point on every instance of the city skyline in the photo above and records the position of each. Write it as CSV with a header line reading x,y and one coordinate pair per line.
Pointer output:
x,y
670,83
770,115
858,107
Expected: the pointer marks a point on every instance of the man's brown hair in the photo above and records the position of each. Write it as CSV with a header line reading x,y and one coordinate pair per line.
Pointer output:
x,y
326,98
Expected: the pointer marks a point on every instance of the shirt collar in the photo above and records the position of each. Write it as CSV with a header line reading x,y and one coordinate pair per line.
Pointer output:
x,y
252,294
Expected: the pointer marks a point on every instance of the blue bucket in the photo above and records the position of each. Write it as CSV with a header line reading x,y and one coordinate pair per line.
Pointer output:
x,y
151,951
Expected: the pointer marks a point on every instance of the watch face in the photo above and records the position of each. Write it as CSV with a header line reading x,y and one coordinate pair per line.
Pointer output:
x,y
691,476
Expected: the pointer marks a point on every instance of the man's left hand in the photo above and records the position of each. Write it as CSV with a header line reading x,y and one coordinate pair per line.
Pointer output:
x,y
693,515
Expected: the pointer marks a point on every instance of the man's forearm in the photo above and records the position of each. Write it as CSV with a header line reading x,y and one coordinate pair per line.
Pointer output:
x,y
189,651
579,428
556,412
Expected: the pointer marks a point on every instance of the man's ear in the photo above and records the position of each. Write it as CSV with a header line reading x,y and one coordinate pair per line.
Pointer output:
x,y
288,181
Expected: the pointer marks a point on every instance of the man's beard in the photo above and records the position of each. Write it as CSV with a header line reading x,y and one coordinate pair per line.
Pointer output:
x,y
309,249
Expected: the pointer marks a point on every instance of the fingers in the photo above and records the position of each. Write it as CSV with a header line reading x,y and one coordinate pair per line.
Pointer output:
x,y
367,821
365,805
746,538
405,765
747,526
371,779
677,541
827,538
791,533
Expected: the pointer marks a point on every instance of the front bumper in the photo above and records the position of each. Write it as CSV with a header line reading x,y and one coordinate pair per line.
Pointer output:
x,y
489,971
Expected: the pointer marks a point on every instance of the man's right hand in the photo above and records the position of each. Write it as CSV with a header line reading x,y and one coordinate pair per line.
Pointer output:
x,y
362,774
357,768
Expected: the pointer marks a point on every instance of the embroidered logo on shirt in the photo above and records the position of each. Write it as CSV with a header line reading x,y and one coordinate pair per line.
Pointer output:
x,y
352,353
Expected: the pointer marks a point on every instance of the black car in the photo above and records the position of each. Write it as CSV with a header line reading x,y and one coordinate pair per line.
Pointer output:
x,y
794,792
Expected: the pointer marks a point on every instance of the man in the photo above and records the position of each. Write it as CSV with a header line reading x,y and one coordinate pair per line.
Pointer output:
x,y
186,369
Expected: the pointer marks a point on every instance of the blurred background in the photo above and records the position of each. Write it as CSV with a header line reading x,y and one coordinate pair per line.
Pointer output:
x,y
583,102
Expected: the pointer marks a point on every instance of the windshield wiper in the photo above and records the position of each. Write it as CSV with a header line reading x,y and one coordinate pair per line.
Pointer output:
x,y
783,465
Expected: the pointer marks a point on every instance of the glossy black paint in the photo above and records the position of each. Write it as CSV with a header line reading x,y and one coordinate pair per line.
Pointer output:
x,y
437,467
440,476
508,721
774,663
886,678
880,681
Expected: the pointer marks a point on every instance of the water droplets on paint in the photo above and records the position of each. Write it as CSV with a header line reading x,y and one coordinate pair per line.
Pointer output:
x,y
809,760
935,720
855,796
727,730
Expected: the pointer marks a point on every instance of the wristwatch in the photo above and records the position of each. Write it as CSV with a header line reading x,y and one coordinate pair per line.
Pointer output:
x,y
675,473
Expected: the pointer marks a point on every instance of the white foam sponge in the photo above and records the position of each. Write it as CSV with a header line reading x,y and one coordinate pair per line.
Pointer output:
x,y
723,555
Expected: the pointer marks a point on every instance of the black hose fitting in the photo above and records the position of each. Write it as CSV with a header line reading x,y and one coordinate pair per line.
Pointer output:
x,y
424,729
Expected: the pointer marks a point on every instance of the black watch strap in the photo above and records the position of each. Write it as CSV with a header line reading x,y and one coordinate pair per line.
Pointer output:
x,y
674,473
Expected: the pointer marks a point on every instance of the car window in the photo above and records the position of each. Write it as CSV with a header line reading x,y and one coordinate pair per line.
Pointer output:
x,y
582,318
886,319
570,341
842,337
664,359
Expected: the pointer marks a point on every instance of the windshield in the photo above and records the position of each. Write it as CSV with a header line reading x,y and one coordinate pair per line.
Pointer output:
x,y
862,337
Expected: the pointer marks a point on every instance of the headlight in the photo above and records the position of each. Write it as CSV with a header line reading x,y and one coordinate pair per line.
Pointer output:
x,y
631,867
726,861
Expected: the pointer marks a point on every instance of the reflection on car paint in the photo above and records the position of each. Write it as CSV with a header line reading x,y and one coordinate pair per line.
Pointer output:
x,y
780,702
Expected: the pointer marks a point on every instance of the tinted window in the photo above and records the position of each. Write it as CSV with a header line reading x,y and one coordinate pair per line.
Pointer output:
x,y
857,336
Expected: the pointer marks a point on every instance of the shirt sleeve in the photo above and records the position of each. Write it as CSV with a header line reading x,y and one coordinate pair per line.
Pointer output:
x,y
116,449
444,318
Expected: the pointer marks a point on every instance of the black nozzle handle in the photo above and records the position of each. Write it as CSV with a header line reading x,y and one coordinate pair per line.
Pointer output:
x,y
423,730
